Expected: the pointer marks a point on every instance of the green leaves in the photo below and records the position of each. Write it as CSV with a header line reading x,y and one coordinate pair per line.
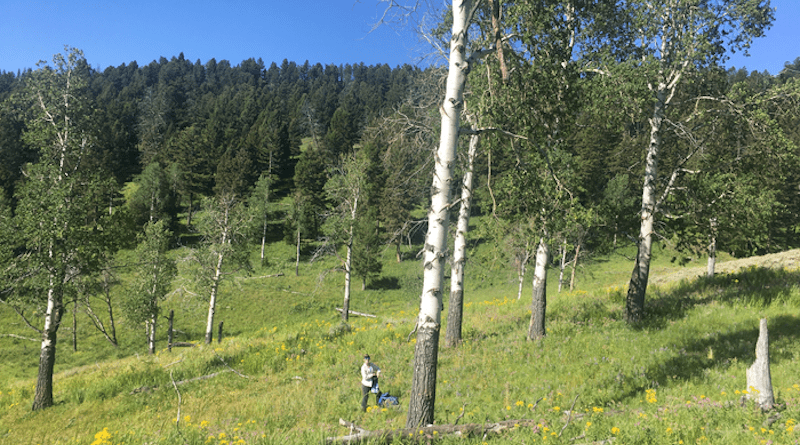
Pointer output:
x,y
153,273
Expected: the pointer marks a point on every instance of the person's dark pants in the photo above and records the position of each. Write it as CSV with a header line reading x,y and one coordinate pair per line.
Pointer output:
x,y
365,395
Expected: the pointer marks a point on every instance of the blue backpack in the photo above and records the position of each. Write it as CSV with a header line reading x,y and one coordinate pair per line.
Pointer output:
x,y
387,399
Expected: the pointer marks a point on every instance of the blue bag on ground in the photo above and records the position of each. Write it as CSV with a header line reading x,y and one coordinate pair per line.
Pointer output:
x,y
387,399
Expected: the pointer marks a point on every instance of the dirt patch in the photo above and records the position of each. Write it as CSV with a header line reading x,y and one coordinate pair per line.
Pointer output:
x,y
785,260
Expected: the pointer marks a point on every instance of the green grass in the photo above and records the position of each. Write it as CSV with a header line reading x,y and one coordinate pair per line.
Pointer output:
x,y
677,377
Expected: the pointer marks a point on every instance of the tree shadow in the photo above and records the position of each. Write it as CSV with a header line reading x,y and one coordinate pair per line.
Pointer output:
x,y
751,287
695,359
384,283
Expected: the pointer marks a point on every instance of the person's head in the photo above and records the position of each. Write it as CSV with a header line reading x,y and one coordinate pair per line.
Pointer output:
x,y
366,358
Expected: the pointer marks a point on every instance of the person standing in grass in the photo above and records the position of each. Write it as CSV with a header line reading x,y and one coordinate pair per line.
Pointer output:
x,y
369,382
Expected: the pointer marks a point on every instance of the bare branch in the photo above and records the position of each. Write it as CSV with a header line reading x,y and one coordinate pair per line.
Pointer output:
x,y
569,415
175,385
396,12
19,337
22,315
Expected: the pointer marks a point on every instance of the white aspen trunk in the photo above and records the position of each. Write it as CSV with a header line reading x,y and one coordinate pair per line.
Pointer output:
x,y
266,220
423,387
523,265
348,262
347,276
634,304
456,303
539,303
263,239
574,266
297,261
151,340
75,323
152,205
212,302
43,396
189,211
112,334
563,265
712,249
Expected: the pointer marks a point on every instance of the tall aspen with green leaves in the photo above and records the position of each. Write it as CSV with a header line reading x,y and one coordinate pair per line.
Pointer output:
x,y
61,216
426,352
664,45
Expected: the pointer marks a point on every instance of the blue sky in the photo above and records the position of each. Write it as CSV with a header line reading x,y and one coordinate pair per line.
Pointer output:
x,y
327,31
114,32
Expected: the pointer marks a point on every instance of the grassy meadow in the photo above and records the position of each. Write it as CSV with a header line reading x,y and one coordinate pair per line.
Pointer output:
x,y
286,369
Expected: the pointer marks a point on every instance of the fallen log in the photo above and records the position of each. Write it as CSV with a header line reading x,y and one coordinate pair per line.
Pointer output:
x,y
19,337
147,389
280,274
359,435
360,314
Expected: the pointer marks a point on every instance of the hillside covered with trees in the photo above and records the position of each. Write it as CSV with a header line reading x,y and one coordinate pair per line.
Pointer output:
x,y
567,131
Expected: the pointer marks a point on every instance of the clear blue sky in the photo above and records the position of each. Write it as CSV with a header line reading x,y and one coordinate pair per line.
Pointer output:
x,y
114,32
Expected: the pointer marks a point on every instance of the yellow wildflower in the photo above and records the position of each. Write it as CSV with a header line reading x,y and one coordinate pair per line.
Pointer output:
x,y
102,437
650,395
615,431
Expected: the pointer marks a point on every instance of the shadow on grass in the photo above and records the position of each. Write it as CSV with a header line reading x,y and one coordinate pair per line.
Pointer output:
x,y
754,287
749,287
385,283
694,360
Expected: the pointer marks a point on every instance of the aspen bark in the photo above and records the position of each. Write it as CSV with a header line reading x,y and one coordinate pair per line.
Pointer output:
x,y
423,386
347,280
455,310
521,268
539,303
563,265
151,339
348,266
212,302
75,323
297,256
574,266
634,304
712,249
43,397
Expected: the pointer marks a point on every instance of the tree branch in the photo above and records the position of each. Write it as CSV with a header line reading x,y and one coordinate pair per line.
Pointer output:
x,y
22,315
19,337
569,415
415,434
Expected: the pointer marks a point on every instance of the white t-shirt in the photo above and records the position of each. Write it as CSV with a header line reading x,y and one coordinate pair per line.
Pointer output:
x,y
367,372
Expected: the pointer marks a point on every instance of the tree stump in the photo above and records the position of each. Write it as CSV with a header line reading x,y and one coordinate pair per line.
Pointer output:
x,y
759,380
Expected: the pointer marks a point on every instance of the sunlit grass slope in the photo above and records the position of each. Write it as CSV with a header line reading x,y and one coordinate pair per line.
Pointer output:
x,y
287,369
